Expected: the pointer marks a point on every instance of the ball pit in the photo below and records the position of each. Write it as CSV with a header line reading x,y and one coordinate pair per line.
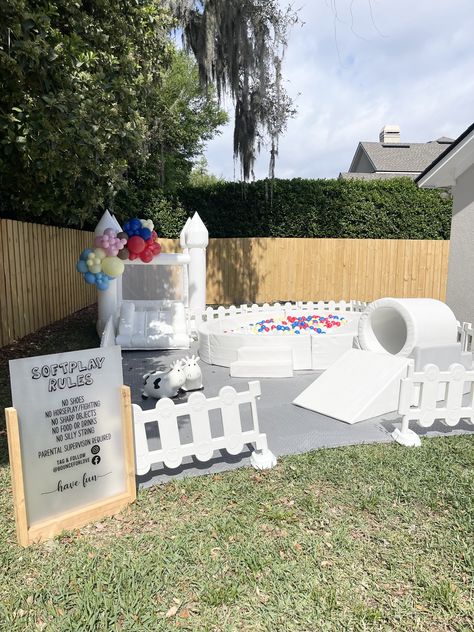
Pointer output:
x,y
315,338
312,324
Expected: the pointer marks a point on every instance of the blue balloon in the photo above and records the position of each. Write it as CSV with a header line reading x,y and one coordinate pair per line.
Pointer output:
x,y
145,233
81,266
89,277
135,223
85,253
102,284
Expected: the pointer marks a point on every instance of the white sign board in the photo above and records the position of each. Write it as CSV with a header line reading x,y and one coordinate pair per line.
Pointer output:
x,y
70,429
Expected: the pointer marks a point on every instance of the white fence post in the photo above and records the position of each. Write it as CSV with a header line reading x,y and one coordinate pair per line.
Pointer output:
x,y
166,413
420,396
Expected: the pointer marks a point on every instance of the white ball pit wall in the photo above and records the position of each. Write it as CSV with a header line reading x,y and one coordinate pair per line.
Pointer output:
x,y
219,345
397,326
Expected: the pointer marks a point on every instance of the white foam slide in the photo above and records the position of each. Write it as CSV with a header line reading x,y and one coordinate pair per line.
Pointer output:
x,y
233,439
398,325
358,386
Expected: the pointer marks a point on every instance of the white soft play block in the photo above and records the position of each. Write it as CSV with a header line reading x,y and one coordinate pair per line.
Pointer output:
x,y
260,368
358,386
277,353
263,362
325,350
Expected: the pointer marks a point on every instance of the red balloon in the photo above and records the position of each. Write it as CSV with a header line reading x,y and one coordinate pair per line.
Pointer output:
x,y
136,245
132,256
146,256
156,249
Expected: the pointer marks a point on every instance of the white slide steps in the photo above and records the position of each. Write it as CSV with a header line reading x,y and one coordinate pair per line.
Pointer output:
x,y
151,327
263,362
358,386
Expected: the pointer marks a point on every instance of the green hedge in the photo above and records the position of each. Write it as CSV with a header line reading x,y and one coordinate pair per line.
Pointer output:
x,y
386,209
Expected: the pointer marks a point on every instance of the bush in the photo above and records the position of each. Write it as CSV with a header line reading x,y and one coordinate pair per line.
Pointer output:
x,y
385,209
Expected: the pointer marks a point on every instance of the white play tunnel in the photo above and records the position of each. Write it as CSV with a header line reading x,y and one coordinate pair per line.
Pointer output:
x,y
397,326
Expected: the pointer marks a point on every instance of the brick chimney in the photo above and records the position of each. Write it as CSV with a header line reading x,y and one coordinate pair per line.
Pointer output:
x,y
390,134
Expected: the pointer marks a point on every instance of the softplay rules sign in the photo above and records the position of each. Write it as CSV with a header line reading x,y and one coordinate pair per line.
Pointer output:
x,y
70,426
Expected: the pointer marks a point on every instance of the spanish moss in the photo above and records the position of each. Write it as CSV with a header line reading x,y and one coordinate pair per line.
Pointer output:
x,y
239,47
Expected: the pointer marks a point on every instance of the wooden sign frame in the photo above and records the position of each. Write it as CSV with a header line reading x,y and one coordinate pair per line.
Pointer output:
x,y
47,529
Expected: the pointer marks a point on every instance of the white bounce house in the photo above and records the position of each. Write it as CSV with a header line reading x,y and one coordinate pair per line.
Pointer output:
x,y
146,307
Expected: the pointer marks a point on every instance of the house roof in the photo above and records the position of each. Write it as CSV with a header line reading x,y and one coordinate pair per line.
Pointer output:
x,y
354,175
403,157
452,162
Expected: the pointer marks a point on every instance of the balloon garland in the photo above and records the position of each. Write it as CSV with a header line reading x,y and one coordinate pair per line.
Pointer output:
x,y
104,262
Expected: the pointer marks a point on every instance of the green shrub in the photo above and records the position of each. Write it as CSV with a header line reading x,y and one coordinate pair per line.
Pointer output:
x,y
385,209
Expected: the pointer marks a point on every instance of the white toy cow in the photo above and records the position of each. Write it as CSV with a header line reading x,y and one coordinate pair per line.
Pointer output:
x,y
159,384
192,372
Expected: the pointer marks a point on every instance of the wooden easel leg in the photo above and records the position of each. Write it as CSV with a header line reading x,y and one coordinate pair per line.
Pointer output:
x,y
16,469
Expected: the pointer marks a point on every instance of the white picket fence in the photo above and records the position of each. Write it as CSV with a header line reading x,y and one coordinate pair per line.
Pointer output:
x,y
420,400
196,316
465,335
166,415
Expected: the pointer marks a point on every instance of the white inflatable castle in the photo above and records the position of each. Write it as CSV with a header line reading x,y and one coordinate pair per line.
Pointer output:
x,y
146,307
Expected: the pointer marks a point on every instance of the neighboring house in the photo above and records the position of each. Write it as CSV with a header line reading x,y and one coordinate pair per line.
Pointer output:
x,y
390,158
455,168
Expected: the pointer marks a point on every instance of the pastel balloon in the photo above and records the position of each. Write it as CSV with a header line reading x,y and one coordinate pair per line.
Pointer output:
x,y
136,245
89,278
147,223
81,266
110,232
100,253
102,285
85,253
113,266
94,268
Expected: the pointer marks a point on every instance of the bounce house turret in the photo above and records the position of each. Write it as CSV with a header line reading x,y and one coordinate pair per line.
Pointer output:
x,y
107,300
106,221
196,237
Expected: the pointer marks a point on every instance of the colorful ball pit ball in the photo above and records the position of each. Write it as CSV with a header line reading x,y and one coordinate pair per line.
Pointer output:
x,y
296,325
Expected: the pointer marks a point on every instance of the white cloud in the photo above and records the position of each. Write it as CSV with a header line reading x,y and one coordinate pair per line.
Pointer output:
x,y
411,65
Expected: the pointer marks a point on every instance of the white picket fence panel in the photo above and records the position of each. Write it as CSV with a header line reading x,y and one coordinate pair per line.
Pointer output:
x,y
197,316
166,415
465,335
424,388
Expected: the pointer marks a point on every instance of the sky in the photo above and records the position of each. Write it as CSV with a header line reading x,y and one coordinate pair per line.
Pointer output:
x,y
404,62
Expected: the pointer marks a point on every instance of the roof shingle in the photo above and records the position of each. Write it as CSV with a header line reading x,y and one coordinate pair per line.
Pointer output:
x,y
404,157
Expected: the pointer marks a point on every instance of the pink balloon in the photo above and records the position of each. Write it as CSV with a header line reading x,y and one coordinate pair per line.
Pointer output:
x,y
98,241
110,232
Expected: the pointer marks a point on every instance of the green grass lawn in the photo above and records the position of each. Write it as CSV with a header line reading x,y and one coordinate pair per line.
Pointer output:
x,y
361,538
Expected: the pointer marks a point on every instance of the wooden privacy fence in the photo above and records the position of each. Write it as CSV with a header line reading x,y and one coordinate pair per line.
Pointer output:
x,y
267,270
38,281
39,284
